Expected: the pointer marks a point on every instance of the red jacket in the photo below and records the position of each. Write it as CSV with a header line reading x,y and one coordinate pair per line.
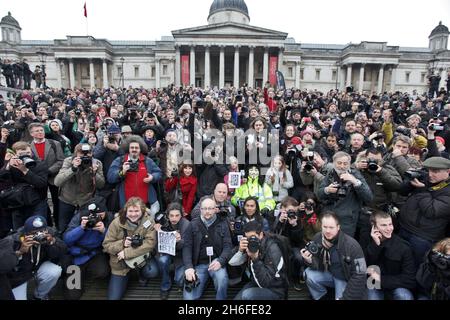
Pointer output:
x,y
188,186
272,104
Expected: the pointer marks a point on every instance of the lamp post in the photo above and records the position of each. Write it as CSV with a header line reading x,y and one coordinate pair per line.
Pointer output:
x,y
122,60
43,58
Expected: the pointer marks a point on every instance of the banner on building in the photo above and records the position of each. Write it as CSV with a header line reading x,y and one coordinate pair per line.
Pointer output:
x,y
273,66
185,70
280,81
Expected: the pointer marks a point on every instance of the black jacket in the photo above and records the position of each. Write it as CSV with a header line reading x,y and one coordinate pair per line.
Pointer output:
x,y
396,262
30,262
8,261
426,212
429,276
353,264
210,176
220,238
294,234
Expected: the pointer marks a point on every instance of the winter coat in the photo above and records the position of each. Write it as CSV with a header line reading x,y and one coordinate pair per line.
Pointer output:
x,y
54,158
396,262
77,187
348,208
353,264
188,187
282,183
114,240
254,189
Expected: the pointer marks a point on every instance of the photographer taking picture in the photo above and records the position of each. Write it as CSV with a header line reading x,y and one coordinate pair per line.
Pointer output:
x,y
80,176
262,255
426,212
335,260
38,251
343,191
84,237
314,170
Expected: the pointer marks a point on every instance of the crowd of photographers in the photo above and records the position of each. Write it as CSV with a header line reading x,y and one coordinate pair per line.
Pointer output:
x,y
355,196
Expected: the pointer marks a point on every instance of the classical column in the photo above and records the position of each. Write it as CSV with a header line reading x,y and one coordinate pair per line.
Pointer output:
x,y
157,73
91,74
236,67
361,78
380,79
251,67
58,72
393,78
443,82
222,67
297,74
192,67
207,68
105,74
348,83
71,74
341,78
280,59
266,65
177,66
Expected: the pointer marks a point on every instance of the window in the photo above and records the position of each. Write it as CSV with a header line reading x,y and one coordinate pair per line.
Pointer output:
x,y
164,69
438,44
334,75
302,72
153,72
317,74
290,72
407,74
136,71
422,77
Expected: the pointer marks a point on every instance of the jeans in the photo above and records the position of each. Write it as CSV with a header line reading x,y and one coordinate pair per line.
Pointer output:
x,y
46,277
66,213
419,246
397,294
251,292
150,270
164,262
317,281
117,287
220,278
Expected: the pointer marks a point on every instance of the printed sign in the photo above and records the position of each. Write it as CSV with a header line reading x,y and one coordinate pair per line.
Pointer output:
x,y
167,242
234,180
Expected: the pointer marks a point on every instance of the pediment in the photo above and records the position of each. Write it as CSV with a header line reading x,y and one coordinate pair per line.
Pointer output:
x,y
229,30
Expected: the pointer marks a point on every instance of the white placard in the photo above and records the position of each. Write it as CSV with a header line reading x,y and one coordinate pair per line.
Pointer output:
x,y
234,180
167,242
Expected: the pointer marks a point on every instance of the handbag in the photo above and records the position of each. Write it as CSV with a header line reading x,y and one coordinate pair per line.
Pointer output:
x,y
18,196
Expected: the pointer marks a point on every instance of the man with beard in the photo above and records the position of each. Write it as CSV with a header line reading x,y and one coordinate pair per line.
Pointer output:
x,y
335,260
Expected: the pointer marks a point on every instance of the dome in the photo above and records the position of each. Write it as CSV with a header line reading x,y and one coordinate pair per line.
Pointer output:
x,y
440,29
224,5
10,21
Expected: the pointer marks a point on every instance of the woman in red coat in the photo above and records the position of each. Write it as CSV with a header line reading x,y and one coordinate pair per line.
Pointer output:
x,y
188,186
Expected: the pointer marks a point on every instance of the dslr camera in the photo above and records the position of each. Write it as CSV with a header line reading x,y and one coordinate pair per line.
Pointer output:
x,y
372,165
254,244
93,217
41,237
136,241
86,160
291,214
134,166
313,248
161,219
190,285
420,174
343,189
223,210
28,161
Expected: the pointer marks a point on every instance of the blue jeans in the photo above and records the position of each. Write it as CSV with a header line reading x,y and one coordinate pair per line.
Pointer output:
x,y
318,281
220,278
150,270
117,287
164,262
46,278
419,246
66,213
397,294
251,292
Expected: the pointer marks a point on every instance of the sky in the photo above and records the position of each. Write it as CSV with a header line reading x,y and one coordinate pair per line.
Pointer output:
x,y
399,23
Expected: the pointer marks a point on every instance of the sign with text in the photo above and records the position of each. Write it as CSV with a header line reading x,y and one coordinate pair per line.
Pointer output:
x,y
167,242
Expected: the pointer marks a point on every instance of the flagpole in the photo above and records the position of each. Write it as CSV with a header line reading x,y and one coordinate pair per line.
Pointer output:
x,y
87,27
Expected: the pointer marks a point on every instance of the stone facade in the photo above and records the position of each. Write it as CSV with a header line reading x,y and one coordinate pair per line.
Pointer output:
x,y
228,51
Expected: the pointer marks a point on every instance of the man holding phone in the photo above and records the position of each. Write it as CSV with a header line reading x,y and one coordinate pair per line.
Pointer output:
x,y
390,259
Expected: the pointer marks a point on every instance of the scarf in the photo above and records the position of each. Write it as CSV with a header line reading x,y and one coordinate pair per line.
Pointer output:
x,y
326,247
208,223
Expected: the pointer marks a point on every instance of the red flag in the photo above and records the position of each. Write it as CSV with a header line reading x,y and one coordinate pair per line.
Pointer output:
x,y
85,10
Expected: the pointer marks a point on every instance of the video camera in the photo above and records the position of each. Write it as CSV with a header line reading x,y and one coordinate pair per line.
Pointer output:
x,y
419,174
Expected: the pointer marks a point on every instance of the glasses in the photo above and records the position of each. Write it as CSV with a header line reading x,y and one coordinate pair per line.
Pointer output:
x,y
208,208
